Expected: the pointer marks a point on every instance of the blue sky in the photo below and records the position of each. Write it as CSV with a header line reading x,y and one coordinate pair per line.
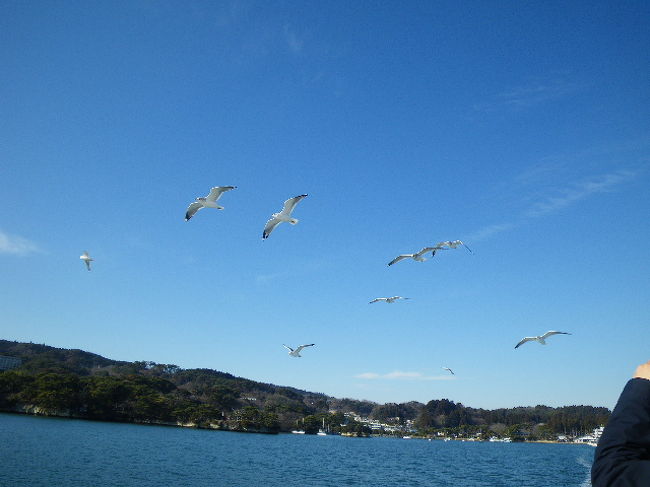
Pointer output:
x,y
521,128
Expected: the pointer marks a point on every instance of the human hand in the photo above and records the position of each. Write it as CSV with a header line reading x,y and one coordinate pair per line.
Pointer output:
x,y
643,371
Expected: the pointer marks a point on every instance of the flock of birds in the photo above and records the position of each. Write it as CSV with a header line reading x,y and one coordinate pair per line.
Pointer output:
x,y
210,201
284,216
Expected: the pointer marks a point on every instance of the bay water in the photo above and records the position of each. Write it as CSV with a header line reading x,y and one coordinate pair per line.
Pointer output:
x,y
38,451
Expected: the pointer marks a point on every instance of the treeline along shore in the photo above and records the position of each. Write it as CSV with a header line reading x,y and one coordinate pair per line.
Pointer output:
x,y
72,383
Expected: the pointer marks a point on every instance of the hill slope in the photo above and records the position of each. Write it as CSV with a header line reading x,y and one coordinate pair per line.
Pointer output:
x,y
82,384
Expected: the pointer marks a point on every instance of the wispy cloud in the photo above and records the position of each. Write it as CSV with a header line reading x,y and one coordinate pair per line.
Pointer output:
x,y
543,170
228,13
552,196
489,231
13,244
264,278
305,268
295,44
399,375
579,191
525,96
530,94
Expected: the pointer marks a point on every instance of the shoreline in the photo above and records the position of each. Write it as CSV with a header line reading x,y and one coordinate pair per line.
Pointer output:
x,y
217,427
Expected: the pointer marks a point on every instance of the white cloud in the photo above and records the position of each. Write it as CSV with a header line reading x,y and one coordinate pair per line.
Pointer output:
x,y
525,96
399,375
563,196
533,93
489,231
579,192
13,244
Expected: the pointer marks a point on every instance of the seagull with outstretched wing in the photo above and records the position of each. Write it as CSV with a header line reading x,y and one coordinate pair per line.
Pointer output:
x,y
87,259
296,352
418,257
452,244
447,368
209,201
542,338
392,299
283,216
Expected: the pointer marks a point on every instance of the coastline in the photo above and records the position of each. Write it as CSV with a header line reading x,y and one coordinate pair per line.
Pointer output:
x,y
37,411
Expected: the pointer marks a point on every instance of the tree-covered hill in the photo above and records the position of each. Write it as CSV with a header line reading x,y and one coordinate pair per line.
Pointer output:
x,y
81,384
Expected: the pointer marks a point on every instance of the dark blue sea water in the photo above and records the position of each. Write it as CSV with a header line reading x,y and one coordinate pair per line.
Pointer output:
x,y
62,452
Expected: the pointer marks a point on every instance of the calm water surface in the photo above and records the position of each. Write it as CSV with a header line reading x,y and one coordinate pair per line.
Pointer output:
x,y
62,452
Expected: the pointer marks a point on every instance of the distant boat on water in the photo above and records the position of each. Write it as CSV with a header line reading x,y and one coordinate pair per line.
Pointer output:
x,y
322,432
298,432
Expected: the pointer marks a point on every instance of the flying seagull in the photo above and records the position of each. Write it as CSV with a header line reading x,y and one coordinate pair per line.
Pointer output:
x,y
542,338
296,352
388,300
419,257
447,368
86,258
452,244
283,216
209,201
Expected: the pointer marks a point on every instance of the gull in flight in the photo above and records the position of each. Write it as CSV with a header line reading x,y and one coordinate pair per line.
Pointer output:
x,y
418,257
86,258
283,216
209,201
452,244
541,339
447,368
388,300
296,352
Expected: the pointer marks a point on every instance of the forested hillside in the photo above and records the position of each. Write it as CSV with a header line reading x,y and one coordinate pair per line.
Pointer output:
x,y
81,384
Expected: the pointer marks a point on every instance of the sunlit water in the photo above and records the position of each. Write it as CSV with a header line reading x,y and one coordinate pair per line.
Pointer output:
x,y
60,452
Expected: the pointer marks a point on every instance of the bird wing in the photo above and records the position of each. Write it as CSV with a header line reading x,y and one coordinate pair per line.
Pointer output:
x,y
447,368
288,348
463,244
192,209
377,299
217,191
427,249
270,225
400,257
87,261
549,333
299,349
527,339
291,203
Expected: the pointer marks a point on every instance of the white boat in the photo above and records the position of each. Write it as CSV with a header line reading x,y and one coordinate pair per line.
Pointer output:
x,y
406,437
298,432
321,432
592,439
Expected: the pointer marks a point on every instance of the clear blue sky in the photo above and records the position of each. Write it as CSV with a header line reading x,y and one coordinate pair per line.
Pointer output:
x,y
521,128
